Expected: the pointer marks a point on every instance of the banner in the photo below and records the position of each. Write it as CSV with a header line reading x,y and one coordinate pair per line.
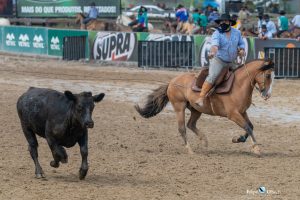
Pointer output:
x,y
24,40
56,37
66,8
6,8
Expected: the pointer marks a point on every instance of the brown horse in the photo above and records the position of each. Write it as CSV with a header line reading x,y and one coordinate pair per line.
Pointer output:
x,y
232,105
92,25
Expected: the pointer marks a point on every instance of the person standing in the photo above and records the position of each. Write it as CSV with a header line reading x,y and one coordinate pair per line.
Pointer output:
x,y
283,23
227,43
196,21
296,21
203,22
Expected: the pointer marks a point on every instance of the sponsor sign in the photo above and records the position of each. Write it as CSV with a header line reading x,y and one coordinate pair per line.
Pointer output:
x,y
66,8
56,38
114,46
25,40
161,37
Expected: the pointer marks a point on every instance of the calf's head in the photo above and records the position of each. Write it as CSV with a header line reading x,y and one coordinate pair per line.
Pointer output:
x,y
84,106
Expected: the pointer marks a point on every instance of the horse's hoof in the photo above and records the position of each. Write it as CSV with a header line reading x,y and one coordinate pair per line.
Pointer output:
x,y
54,164
64,160
235,139
256,150
82,174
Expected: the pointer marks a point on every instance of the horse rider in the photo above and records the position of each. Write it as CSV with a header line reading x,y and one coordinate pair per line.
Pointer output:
x,y
92,14
227,43
283,23
139,25
182,16
265,34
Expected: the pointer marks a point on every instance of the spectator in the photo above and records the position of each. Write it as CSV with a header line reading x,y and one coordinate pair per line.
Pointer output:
x,y
203,22
213,16
182,17
208,10
296,21
265,34
260,22
270,25
92,14
238,24
283,23
196,21
244,14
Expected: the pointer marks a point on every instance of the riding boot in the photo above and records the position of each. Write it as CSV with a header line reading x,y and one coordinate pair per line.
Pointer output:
x,y
205,89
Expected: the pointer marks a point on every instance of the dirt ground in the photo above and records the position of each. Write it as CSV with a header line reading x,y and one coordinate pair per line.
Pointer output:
x,y
135,158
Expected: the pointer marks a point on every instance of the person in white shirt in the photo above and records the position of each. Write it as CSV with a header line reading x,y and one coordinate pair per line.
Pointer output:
x,y
270,25
260,22
265,34
296,21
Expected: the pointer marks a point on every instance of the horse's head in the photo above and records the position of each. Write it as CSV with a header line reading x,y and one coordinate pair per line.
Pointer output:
x,y
79,18
265,78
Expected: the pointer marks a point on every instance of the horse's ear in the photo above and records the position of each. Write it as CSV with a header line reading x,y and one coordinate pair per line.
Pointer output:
x,y
268,64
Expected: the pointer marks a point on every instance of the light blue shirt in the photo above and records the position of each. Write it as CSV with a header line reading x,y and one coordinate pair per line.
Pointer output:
x,y
93,13
227,47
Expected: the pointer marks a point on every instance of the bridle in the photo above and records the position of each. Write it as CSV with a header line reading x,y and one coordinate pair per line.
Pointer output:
x,y
254,77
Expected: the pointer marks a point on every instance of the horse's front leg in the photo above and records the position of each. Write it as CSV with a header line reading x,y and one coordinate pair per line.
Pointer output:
x,y
83,143
240,120
243,138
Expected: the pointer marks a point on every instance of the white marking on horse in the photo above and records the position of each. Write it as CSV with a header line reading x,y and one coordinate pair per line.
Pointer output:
x,y
270,88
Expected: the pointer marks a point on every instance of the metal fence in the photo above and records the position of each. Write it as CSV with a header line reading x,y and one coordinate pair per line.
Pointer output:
x,y
287,61
74,47
165,54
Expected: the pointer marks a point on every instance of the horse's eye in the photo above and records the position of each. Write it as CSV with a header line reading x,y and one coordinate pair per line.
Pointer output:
x,y
268,76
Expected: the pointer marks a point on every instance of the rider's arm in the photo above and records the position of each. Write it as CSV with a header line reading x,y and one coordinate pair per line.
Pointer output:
x,y
214,43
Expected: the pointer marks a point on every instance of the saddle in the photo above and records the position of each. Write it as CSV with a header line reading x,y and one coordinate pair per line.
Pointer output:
x,y
223,84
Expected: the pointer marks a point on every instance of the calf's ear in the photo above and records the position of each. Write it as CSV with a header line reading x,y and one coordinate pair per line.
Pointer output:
x,y
70,95
99,97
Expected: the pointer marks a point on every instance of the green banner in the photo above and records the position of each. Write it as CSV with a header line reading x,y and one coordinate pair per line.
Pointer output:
x,y
24,39
1,38
56,37
66,8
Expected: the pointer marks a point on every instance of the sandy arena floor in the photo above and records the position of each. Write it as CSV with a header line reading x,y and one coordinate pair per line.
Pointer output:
x,y
135,158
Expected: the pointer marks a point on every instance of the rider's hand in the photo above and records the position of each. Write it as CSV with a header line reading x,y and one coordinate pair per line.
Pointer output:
x,y
211,55
241,52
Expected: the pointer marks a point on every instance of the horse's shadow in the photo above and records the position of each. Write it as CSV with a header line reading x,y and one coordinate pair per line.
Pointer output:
x,y
238,153
106,179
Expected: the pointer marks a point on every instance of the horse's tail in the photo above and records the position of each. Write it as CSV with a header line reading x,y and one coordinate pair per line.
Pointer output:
x,y
156,102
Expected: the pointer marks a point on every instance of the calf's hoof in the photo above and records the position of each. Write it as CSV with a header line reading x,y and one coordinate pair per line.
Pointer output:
x,y
54,164
82,173
40,175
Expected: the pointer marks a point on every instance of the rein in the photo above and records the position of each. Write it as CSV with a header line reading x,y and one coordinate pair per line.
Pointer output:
x,y
252,78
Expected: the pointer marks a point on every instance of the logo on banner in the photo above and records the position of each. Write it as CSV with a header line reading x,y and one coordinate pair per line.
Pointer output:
x,y
23,40
160,37
205,50
54,43
38,42
114,46
10,40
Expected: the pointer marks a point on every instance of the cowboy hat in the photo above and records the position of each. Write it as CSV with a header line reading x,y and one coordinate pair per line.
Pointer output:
x,y
225,17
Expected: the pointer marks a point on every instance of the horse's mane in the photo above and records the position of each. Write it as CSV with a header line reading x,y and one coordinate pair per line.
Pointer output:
x,y
268,64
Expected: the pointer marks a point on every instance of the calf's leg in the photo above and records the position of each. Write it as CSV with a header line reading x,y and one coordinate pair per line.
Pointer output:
x,y
83,143
58,152
32,147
